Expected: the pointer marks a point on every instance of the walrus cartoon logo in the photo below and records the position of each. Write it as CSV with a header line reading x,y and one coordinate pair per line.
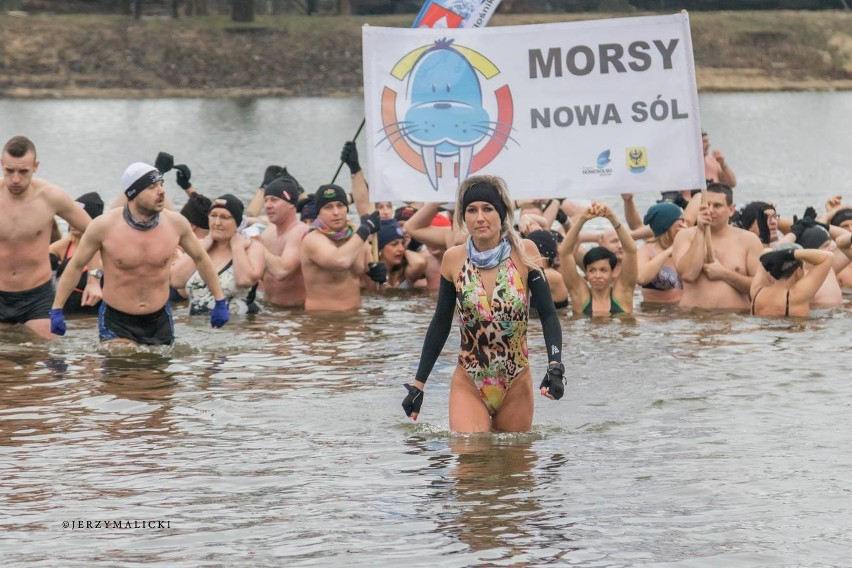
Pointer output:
x,y
446,119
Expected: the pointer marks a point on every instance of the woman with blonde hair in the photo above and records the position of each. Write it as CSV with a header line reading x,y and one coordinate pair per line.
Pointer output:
x,y
658,276
491,280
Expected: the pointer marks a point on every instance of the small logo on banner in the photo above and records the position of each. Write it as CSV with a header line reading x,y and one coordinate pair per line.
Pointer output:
x,y
601,165
637,159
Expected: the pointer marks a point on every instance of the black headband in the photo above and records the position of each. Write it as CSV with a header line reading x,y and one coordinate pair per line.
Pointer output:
x,y
147,179
487,193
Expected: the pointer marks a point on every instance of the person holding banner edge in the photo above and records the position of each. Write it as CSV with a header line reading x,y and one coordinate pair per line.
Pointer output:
x,y
491,279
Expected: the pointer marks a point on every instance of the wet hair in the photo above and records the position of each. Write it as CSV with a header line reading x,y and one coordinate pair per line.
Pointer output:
x,y
725,189
506,229
18,146
599,253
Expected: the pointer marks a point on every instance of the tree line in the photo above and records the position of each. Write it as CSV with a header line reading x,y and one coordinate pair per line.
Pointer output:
x,y
246,10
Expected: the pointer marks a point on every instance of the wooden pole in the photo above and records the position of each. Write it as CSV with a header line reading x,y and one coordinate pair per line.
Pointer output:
x,y
708,242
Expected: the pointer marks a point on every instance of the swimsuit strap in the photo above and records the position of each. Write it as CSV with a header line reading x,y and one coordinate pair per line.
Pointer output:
x,y
613,303
787,308
587,307
614,306
754,299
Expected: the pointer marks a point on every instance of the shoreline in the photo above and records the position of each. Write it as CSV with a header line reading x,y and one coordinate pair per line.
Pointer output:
x,y
733,83
115,57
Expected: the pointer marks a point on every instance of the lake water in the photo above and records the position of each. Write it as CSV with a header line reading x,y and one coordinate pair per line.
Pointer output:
x,y
707,440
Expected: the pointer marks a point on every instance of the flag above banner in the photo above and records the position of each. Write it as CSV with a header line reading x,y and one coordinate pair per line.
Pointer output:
x,y
577,109
455,13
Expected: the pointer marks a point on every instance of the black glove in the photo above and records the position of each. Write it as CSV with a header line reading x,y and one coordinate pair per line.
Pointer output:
x,y
271,173
774,261
183,174
554,381
413,401
806,222
413,245
378,272
165,162
349,155
763,228
369,224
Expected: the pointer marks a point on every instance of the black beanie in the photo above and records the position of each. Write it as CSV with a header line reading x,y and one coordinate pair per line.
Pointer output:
x,y
196,209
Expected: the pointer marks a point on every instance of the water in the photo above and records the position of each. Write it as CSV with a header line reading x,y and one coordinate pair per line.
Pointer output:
x,y
716,440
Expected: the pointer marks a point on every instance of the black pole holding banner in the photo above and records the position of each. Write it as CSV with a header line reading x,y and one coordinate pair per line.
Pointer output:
x,y
353,139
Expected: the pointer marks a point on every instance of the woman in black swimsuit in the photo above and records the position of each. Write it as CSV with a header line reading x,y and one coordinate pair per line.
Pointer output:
x,y
781,287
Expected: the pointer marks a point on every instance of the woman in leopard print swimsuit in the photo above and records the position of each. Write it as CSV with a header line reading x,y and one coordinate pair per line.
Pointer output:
x,y
491,281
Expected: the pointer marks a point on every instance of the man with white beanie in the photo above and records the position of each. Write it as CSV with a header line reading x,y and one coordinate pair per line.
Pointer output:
x,y
137,243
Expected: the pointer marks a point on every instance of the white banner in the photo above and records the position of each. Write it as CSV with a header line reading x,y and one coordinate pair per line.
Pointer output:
x,y
577,109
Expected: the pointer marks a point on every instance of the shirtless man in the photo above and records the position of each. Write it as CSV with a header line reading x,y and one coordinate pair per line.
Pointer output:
x,y
137,243
715,167
283,283
334,257
724,283
27,209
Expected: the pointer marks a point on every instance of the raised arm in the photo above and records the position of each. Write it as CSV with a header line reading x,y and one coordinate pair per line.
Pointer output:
x,y
420,227
248,260
568,265
807,287
631,214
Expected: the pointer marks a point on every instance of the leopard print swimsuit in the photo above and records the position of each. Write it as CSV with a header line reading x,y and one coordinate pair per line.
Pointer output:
x,y
493,333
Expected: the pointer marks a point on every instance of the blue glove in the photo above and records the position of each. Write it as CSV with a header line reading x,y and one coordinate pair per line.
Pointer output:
x,y
57,321
220,316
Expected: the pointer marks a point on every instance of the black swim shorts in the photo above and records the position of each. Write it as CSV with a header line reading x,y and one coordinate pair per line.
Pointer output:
x,y
148,329
27,305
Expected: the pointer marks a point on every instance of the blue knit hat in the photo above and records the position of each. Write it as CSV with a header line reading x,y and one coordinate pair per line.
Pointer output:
x,y
661,216
389,232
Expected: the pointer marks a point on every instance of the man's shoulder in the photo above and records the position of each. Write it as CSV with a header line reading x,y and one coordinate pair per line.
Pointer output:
x,y
745,237
175,219
298,230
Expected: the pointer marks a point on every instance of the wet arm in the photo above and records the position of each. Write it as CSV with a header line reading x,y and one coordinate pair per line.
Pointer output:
x,y
649,268
419,226
688,253
361,194
325,255
190,244
631,214
247,261
568,265
90,243
811,282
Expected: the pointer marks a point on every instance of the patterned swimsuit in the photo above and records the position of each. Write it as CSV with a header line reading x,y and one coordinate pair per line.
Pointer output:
x,y
493,333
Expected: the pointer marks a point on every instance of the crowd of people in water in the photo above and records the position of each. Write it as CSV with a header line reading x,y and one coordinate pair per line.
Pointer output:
x,y
490,259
